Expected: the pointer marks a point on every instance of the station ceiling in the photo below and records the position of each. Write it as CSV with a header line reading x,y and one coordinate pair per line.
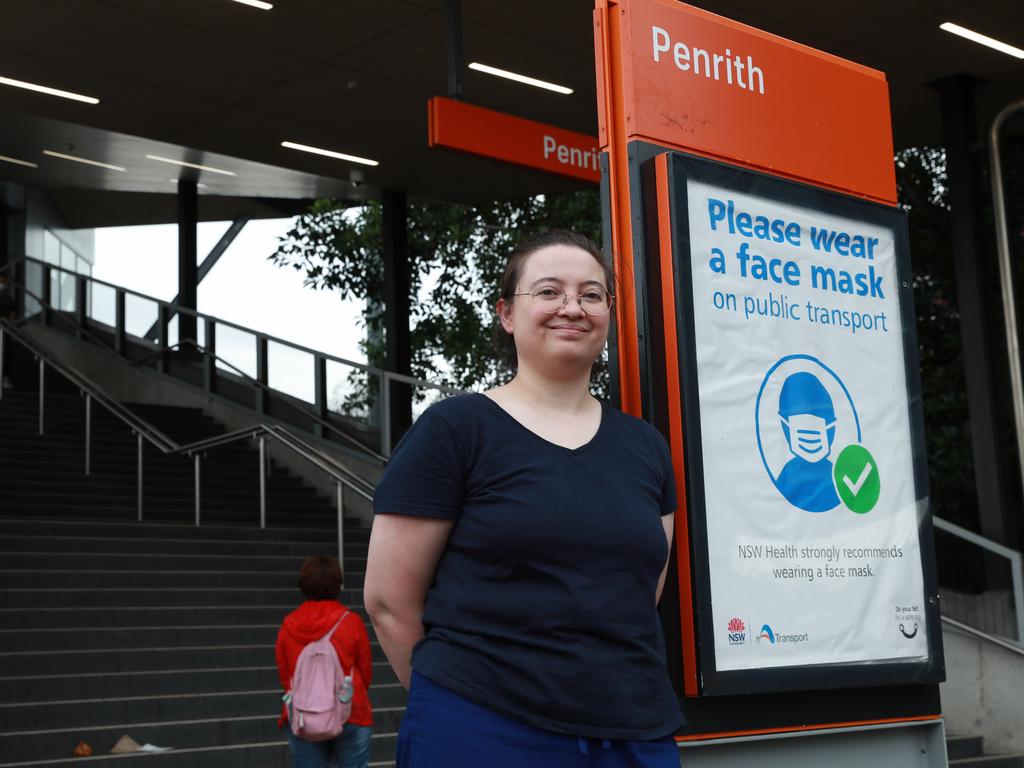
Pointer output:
x,y
222,84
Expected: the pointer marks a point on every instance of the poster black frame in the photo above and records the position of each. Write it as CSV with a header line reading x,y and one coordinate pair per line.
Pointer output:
x,y
879,673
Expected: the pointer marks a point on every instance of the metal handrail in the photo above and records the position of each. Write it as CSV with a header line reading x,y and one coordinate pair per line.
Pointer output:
x,y
234,368
260,385
1016,565
1002,642
1006,276
342,476
385,377
138,425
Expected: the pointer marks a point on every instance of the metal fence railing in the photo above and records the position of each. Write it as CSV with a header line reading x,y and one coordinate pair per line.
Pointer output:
x,y
981,583
337,399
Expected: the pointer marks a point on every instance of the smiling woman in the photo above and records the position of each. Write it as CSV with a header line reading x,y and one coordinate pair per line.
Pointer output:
x,y
520,545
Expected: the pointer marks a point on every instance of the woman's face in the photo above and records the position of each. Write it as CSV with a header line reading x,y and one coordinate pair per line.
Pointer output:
x,y
569,336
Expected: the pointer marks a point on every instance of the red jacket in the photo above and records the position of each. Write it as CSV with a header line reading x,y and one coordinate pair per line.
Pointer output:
x,y
311,621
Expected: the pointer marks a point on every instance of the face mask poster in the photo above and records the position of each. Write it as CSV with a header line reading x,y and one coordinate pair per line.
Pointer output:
x,y
812,489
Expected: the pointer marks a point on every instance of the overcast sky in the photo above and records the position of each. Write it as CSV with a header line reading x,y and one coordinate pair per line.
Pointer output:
x,y
243,288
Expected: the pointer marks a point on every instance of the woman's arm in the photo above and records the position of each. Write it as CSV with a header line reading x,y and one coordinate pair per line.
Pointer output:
x,y
668,522
363,660
400,567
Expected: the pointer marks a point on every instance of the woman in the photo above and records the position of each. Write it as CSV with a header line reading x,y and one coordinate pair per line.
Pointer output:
x,y
320,582
520,545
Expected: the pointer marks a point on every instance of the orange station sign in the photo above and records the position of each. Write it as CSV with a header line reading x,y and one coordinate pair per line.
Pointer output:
x,y
485,132
704,84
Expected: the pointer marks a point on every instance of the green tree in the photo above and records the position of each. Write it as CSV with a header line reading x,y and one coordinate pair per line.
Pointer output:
x,y
457,254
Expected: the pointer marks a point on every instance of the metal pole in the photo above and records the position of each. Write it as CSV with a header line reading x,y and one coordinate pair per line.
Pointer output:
x,y
139,453
196,459
88,433
1018,594
341,528
42,392
1006,277
263,482
385,421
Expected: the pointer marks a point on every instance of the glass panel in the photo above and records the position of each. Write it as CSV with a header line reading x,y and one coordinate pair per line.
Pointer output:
x,y
68,258
67,291
34,284
172,331
353,393
102,304
55,286
139,315
81,266
51,248
290,370
423,398
236,347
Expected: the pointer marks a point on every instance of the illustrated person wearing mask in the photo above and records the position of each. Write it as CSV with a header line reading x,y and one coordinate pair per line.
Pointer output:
x,y
808,421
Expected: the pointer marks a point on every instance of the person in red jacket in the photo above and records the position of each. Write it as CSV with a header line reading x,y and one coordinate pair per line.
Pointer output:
x,y
320,582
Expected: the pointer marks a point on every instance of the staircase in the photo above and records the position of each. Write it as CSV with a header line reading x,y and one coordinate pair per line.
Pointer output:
x,y
968,752
159,629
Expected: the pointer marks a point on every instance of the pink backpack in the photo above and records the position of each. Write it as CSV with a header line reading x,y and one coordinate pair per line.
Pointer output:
x,y
320,700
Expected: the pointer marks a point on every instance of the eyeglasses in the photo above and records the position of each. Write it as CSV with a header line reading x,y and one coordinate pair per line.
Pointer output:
x,y
593,301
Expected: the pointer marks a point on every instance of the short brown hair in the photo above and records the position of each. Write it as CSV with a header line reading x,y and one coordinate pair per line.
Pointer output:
x,y
320,578
525,248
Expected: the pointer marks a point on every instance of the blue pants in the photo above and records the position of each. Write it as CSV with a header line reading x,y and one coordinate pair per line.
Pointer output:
x,y
349,749
443,730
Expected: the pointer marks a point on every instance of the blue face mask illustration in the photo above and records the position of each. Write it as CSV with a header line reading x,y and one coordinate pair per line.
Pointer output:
x,y
809,436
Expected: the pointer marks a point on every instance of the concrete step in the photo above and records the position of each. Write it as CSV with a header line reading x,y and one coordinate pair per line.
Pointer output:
x,y
154,598
98,710
140,545
151,578
115,529
91,561
183,734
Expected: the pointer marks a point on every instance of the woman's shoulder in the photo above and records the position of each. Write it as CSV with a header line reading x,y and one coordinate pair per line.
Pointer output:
x,y
636,426
458,411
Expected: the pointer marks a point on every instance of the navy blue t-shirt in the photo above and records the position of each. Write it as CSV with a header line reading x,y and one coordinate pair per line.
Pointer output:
x,y
542,607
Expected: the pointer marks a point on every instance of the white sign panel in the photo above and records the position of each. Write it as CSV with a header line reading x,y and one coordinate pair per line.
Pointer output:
x,y
811,509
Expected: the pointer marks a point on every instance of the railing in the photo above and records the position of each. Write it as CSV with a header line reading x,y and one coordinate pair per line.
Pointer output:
x,y
144,432
981,583
286,381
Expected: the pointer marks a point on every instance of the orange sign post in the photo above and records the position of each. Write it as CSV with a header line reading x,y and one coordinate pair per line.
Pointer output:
x,y
695,112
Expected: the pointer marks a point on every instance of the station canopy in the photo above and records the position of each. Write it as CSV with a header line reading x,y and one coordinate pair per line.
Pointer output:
x,y
222,84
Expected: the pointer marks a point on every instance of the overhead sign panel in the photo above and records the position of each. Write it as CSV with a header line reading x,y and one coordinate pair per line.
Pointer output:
x,y
485,132
695,81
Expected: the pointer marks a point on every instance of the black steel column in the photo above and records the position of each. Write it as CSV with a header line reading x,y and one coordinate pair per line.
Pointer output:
x,y
188,272
976,331
453,27
397,282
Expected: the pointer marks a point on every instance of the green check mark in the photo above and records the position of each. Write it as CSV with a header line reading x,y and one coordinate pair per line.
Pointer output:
x,y
857,479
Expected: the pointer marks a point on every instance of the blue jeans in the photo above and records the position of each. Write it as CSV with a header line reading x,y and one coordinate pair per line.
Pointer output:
x,y
349,749
440,729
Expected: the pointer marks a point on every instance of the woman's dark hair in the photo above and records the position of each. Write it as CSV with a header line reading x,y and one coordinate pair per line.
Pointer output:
x,y
320,578
526,247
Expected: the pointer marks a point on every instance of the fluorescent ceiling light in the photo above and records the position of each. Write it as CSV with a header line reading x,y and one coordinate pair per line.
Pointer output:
x,y
16,161
981,39
62,156
328,153
520,78
48,91
191,165
257,4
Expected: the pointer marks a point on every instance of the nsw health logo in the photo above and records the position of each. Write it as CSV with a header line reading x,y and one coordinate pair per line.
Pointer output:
x,y
766,634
